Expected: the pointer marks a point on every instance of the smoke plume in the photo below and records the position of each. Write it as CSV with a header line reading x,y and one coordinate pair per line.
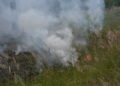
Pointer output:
x,y
49,28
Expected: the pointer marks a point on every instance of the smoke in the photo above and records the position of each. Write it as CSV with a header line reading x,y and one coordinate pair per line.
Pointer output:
x,y
49,28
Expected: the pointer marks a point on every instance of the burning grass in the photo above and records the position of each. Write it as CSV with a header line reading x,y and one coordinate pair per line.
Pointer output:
x,y
100,66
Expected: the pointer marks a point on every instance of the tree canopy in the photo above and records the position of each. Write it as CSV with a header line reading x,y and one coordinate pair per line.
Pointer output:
x,y
112,3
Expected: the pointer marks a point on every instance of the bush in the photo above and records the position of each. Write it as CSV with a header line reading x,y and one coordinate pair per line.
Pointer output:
x,y
112,3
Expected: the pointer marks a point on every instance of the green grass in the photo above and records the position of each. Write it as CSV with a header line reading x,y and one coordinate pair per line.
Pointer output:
x,y
103,70
112,19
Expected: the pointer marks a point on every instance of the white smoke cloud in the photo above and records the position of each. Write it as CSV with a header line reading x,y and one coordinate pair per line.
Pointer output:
x,y
49,27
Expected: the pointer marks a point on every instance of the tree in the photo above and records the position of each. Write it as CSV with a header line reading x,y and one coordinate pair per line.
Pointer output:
x,y
111,3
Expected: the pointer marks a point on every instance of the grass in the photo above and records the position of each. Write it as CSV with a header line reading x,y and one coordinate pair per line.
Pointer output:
x,y
102,70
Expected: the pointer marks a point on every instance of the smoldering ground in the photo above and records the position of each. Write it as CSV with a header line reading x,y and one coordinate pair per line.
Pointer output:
x,y
49,28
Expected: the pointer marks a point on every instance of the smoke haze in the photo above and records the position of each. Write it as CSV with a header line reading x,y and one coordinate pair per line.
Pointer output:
x,y
49,27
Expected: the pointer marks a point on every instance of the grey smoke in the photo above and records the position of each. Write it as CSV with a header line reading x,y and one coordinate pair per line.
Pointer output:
x,y
49,28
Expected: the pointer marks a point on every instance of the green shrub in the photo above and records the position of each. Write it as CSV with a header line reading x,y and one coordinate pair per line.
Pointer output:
x,y
111,3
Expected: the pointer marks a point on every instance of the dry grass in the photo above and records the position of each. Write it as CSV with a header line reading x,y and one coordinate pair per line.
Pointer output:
x,y
100,66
